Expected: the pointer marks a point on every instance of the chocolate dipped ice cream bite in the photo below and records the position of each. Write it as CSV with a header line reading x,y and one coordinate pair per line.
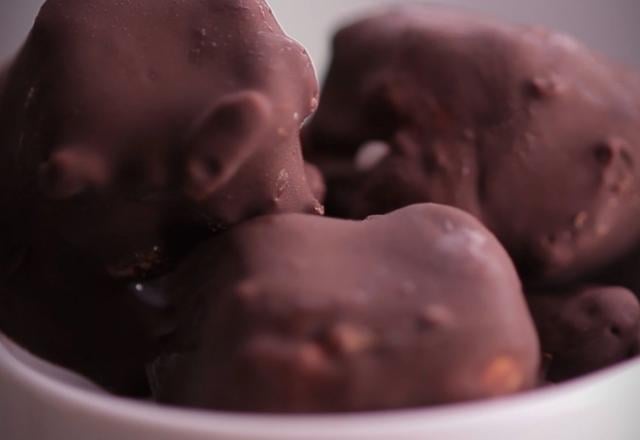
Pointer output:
x,y
527,129
308,314
129,128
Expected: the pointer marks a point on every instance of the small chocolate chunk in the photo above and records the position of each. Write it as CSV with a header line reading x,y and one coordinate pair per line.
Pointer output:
x,y
298,313
586,329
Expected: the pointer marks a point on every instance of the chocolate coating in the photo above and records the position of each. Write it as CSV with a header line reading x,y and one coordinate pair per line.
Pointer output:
x,y
129,128
308,314
526,129
586,329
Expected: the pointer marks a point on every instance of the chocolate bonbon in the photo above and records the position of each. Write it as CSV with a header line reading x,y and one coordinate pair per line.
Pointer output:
x,y
527,129
307,314
128,128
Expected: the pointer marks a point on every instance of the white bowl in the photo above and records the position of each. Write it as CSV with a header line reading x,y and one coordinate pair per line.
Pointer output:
x,y
39,401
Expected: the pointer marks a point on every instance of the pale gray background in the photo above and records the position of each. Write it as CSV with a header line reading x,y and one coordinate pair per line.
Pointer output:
x,y
608,25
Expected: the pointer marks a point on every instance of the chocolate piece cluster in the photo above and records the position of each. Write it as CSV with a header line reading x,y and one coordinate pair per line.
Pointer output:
x,y
161,231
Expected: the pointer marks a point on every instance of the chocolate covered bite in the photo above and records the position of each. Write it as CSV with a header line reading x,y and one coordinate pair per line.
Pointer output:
x,y
527,129
138,129
307,314
586,329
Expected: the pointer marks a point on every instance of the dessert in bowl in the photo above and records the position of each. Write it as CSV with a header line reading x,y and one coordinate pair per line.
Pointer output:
x,y
166,239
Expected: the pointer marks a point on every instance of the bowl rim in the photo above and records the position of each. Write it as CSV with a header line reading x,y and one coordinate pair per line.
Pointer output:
x,y
554,398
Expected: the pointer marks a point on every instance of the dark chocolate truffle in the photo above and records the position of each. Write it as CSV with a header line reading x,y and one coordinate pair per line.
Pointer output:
x,y
302,313
130,127
527,129
586,329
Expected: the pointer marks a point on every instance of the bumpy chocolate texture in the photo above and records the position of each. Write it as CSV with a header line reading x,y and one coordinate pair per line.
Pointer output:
x,y
127,134
130,126
310,314
586,329
526,129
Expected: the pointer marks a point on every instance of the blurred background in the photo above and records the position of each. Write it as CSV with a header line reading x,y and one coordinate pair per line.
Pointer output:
x,y
610,26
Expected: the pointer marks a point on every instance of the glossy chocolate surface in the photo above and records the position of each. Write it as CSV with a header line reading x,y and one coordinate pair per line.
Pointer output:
x,y
298,313
527,129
